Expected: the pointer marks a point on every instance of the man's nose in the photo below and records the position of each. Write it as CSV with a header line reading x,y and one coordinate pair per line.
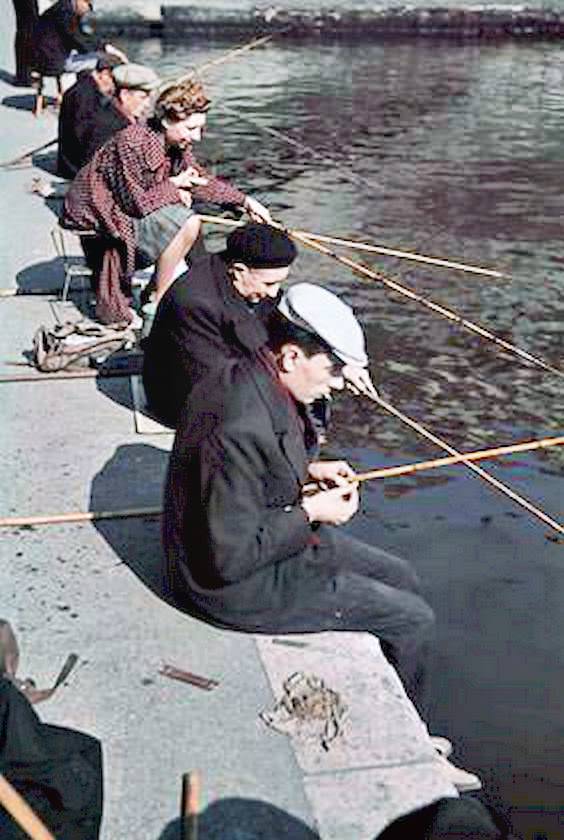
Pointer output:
x,y
272,291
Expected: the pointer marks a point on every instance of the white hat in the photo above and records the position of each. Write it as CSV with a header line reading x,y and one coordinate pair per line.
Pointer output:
x,y
321,312
135,77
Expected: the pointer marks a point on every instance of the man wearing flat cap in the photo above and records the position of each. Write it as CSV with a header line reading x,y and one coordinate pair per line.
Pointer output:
x,y
247,546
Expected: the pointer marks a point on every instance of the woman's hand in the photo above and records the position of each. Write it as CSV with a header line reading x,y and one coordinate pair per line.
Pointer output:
x,y
188,178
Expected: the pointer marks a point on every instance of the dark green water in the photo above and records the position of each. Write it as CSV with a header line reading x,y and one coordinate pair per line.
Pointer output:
x,y
461,149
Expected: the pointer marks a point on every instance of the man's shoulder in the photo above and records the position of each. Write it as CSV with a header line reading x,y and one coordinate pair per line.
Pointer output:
x,y
200,285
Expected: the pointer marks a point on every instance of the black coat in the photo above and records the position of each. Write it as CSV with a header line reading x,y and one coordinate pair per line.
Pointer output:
x,y
237,544
58,771
56,34
201,324
87,119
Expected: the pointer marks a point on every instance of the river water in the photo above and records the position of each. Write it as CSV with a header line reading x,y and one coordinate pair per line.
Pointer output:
x,y
459,152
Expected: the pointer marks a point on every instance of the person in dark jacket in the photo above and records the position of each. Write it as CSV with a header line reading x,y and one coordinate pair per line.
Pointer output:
x,y
65,33
97,106
27,15
58,771
79,105
244,546
215,313
212,314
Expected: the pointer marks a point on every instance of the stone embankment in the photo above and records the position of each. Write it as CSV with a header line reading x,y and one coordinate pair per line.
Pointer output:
x,y
485,23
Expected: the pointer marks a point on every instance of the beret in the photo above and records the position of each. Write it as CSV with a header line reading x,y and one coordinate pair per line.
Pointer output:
x,y
260,246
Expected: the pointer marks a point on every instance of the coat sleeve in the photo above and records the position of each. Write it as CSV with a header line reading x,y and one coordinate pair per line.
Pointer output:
x,y
244,534
217,190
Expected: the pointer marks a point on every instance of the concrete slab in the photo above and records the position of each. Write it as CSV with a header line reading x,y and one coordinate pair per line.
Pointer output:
x,y
360,805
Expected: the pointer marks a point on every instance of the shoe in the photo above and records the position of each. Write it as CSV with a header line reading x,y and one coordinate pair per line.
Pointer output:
x,y
461,779
442,745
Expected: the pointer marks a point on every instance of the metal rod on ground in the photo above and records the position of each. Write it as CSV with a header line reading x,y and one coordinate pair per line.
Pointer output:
x,y
499,485
21,812
190,805
29,154
478,455
449,314
78,516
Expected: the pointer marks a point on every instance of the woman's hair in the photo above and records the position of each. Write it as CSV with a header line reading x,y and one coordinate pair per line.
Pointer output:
x,y
180,100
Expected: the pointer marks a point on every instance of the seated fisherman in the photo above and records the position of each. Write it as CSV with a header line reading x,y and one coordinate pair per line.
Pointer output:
x,y
217,312
244,546
136,193
98,105
64,40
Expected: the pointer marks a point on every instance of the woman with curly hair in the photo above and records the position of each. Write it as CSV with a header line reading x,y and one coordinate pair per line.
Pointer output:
x,y
136,194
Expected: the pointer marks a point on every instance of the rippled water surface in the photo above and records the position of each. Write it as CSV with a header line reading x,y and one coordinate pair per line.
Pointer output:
x,y
460,152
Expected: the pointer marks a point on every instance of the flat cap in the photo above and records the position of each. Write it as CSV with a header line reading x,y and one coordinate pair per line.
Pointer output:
x,y
260,246
135,77
324,314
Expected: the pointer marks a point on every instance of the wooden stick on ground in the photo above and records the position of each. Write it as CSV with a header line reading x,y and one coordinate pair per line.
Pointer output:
x,y
78,516
20,158
499,485
21,812
449,314
190,805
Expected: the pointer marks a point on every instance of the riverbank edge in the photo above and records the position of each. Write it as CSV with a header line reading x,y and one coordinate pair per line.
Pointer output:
x,y
499,23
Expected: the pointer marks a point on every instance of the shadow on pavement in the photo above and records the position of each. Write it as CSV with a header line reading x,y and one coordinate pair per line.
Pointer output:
x,y
244,819
21,102
132,479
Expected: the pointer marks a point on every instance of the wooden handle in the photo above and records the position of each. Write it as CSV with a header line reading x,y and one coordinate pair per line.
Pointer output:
x,y
20,811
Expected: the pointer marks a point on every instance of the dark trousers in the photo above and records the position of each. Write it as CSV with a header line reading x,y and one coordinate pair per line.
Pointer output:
x,y
363,589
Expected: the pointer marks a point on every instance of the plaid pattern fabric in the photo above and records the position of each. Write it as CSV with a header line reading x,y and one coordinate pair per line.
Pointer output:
x,y
128,178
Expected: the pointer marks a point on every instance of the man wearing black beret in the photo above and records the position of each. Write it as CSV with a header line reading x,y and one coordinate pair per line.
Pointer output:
x,y
213,313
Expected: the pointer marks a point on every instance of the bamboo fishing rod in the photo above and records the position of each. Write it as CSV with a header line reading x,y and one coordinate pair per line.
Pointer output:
x,y
22,813
406,255
203,68
382,249
385,472
477,455
363,271
499,485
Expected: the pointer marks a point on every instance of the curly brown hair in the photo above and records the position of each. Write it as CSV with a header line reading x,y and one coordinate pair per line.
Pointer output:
x,y
181,99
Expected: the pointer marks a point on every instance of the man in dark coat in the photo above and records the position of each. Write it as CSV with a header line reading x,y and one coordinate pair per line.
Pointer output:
x,y
79,105
97,106
58,771
244,546
214,314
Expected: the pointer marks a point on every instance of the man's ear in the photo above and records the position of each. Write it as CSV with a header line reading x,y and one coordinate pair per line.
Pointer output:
x,y
289,356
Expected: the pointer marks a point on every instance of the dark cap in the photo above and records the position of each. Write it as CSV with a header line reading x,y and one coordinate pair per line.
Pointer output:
x,y
260,246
